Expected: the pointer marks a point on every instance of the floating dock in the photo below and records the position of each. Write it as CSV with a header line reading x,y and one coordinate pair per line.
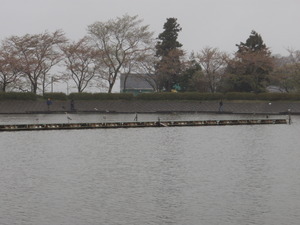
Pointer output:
x,y
68,126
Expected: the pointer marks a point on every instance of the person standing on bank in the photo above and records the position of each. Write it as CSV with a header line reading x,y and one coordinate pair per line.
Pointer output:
x,y
72,105
221,106
49,102
136,117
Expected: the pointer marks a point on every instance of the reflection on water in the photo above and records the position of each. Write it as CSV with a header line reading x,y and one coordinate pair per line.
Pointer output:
x,y
187,175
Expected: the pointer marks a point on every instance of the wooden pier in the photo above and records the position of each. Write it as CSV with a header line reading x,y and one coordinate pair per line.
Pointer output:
x,y
68,126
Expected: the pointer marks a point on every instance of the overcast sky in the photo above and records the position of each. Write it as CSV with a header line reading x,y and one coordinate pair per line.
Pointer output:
x,y
214,23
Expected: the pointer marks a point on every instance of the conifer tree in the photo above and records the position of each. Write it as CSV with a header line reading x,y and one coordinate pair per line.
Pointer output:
x,y
168,51
168,39
253,43
251,66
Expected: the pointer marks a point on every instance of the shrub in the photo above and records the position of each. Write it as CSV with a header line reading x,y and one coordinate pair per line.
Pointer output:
x,y
149,96
81,96
18,96
113,96
101,96
197,96
55,96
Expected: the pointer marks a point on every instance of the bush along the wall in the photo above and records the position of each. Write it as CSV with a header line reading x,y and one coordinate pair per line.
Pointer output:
x,y
101,96
196,96
18,96
81,96
55,96
113,96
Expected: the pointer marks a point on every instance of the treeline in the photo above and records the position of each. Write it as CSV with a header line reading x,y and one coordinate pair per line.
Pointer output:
x,y
39,62
160,96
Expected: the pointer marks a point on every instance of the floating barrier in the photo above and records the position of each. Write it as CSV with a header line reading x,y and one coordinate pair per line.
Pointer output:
x,y
67,126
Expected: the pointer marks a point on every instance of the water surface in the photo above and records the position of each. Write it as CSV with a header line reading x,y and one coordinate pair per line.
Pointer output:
x,y
176,175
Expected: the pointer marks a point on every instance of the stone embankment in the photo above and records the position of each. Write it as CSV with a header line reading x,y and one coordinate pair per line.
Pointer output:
x,y
24,107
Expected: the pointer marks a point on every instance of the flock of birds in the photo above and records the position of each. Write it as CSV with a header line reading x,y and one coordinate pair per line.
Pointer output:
x,y
69,118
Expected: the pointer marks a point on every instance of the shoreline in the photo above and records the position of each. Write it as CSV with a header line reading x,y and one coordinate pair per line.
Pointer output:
x,y
100,107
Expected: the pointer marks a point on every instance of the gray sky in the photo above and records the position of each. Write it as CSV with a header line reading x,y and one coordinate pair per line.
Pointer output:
x,y
214,23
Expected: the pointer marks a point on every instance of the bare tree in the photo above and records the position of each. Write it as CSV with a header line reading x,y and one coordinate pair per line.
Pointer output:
x,y
37,54
295,60
9,69
122,41
80,62
147,71
213,63
144,69
286,74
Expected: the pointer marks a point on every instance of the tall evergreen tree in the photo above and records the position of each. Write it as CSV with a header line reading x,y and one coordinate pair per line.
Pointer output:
x,y
251,66
168,50
168,39
253,43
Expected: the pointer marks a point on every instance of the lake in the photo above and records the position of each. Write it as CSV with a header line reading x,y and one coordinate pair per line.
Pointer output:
x,y
174,175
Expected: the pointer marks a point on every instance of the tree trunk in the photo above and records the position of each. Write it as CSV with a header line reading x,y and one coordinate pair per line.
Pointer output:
x,y
124,84
110,88
34,88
